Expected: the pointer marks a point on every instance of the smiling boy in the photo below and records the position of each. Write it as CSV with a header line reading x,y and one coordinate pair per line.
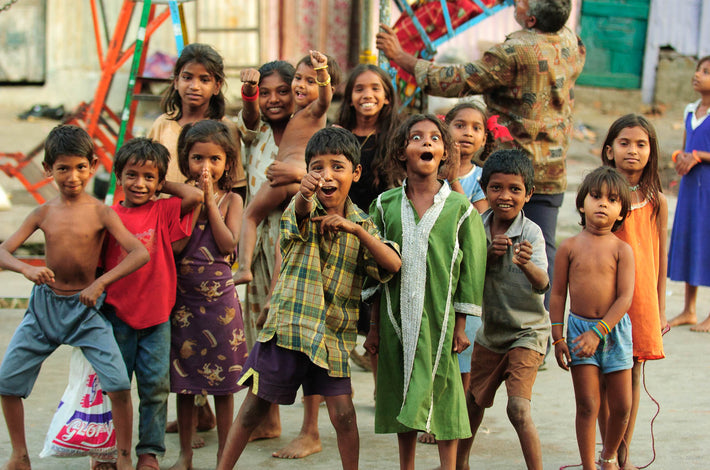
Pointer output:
x,y
510,345
63,306
328,246
139,305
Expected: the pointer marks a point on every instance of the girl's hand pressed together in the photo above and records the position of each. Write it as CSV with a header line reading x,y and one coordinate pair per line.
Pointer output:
x,y
522,252
684,163
585,344
207,187
562,355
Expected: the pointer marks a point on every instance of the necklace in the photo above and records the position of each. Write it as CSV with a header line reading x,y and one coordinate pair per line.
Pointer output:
x,y
366,139
635,187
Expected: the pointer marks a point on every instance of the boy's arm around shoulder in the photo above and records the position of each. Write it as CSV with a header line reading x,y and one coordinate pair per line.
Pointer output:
x,y
38,275
136,256
190,196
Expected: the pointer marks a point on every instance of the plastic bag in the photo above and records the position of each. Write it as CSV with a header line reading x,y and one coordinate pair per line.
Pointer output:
x,y
82,424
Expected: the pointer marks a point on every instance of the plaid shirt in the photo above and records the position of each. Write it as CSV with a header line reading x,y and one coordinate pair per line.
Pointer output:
x,y
315,305
528,80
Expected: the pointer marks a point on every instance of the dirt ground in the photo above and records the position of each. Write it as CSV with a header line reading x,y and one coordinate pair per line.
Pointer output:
x,y
679,383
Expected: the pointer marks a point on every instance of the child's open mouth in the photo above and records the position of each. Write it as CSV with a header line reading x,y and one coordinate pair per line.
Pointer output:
x,y
328,191
427,156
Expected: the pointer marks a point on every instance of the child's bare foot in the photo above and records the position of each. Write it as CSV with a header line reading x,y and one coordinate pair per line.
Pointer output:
x,y
242,276
184,463
99,465
608,464
197,441
301,446
147,462
703,326
18,462
266,430
684,318
426,438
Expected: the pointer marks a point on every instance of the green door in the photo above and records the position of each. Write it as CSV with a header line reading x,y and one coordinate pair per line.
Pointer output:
x,y
614,32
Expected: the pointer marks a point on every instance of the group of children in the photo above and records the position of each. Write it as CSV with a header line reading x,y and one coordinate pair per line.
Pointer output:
x,y
437,275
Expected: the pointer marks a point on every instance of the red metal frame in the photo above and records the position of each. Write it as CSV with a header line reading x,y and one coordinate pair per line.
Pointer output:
x,y
95,117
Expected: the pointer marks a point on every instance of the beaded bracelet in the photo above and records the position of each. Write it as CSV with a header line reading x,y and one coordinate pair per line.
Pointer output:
x,y
554,343
248,98
325,83
696,157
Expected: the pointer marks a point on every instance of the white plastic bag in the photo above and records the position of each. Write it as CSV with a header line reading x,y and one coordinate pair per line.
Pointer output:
x,y
82,424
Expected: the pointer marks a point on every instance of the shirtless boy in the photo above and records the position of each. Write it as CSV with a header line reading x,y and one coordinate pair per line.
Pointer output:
x,y
63,306
598,267
316,77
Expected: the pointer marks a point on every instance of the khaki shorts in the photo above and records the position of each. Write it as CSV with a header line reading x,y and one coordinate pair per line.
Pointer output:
x,y
517,368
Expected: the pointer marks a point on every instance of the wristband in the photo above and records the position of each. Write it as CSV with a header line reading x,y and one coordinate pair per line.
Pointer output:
x,y
554,343
322,67
596,331
557,323
325,83
307,199
250,99
603,327
674,155
696,157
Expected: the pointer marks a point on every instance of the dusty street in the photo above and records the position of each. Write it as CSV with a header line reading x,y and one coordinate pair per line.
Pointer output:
x,y
679,383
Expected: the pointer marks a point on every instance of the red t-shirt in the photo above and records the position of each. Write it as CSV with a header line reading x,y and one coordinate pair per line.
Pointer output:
x,y
145,297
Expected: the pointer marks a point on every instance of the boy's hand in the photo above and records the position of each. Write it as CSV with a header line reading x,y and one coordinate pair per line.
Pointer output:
x,y
461,341
249,77
562,355
499,245
318,60
585,344
89,295
522,252
335,223
453,164
39,275
372,340
310,184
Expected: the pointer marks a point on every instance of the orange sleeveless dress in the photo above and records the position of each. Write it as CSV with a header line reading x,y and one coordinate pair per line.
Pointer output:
x,y
639,230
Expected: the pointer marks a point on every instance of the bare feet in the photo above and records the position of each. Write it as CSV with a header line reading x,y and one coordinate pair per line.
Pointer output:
x,y
184,463
242,276
684,318
361,360
99,465
270,427
301,446
703,326
608,464
147,462
18,462
426,438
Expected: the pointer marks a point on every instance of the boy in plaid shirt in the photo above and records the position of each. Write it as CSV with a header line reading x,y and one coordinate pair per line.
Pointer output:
x,y
328,246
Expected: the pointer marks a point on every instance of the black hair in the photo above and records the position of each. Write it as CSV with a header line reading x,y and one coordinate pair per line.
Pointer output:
x,y
208,57
333,68
217,133
650,182
490,140
284,69
701,60
509,162
387,121
139,151
616,184
396,162
68,140
550,15
335,141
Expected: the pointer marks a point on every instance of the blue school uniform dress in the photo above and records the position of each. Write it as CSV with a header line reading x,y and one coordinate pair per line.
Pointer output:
x,y
689,252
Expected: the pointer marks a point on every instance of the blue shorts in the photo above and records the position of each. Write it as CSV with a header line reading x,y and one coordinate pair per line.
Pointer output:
x,y
50,321
615,351
275,375
473,323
